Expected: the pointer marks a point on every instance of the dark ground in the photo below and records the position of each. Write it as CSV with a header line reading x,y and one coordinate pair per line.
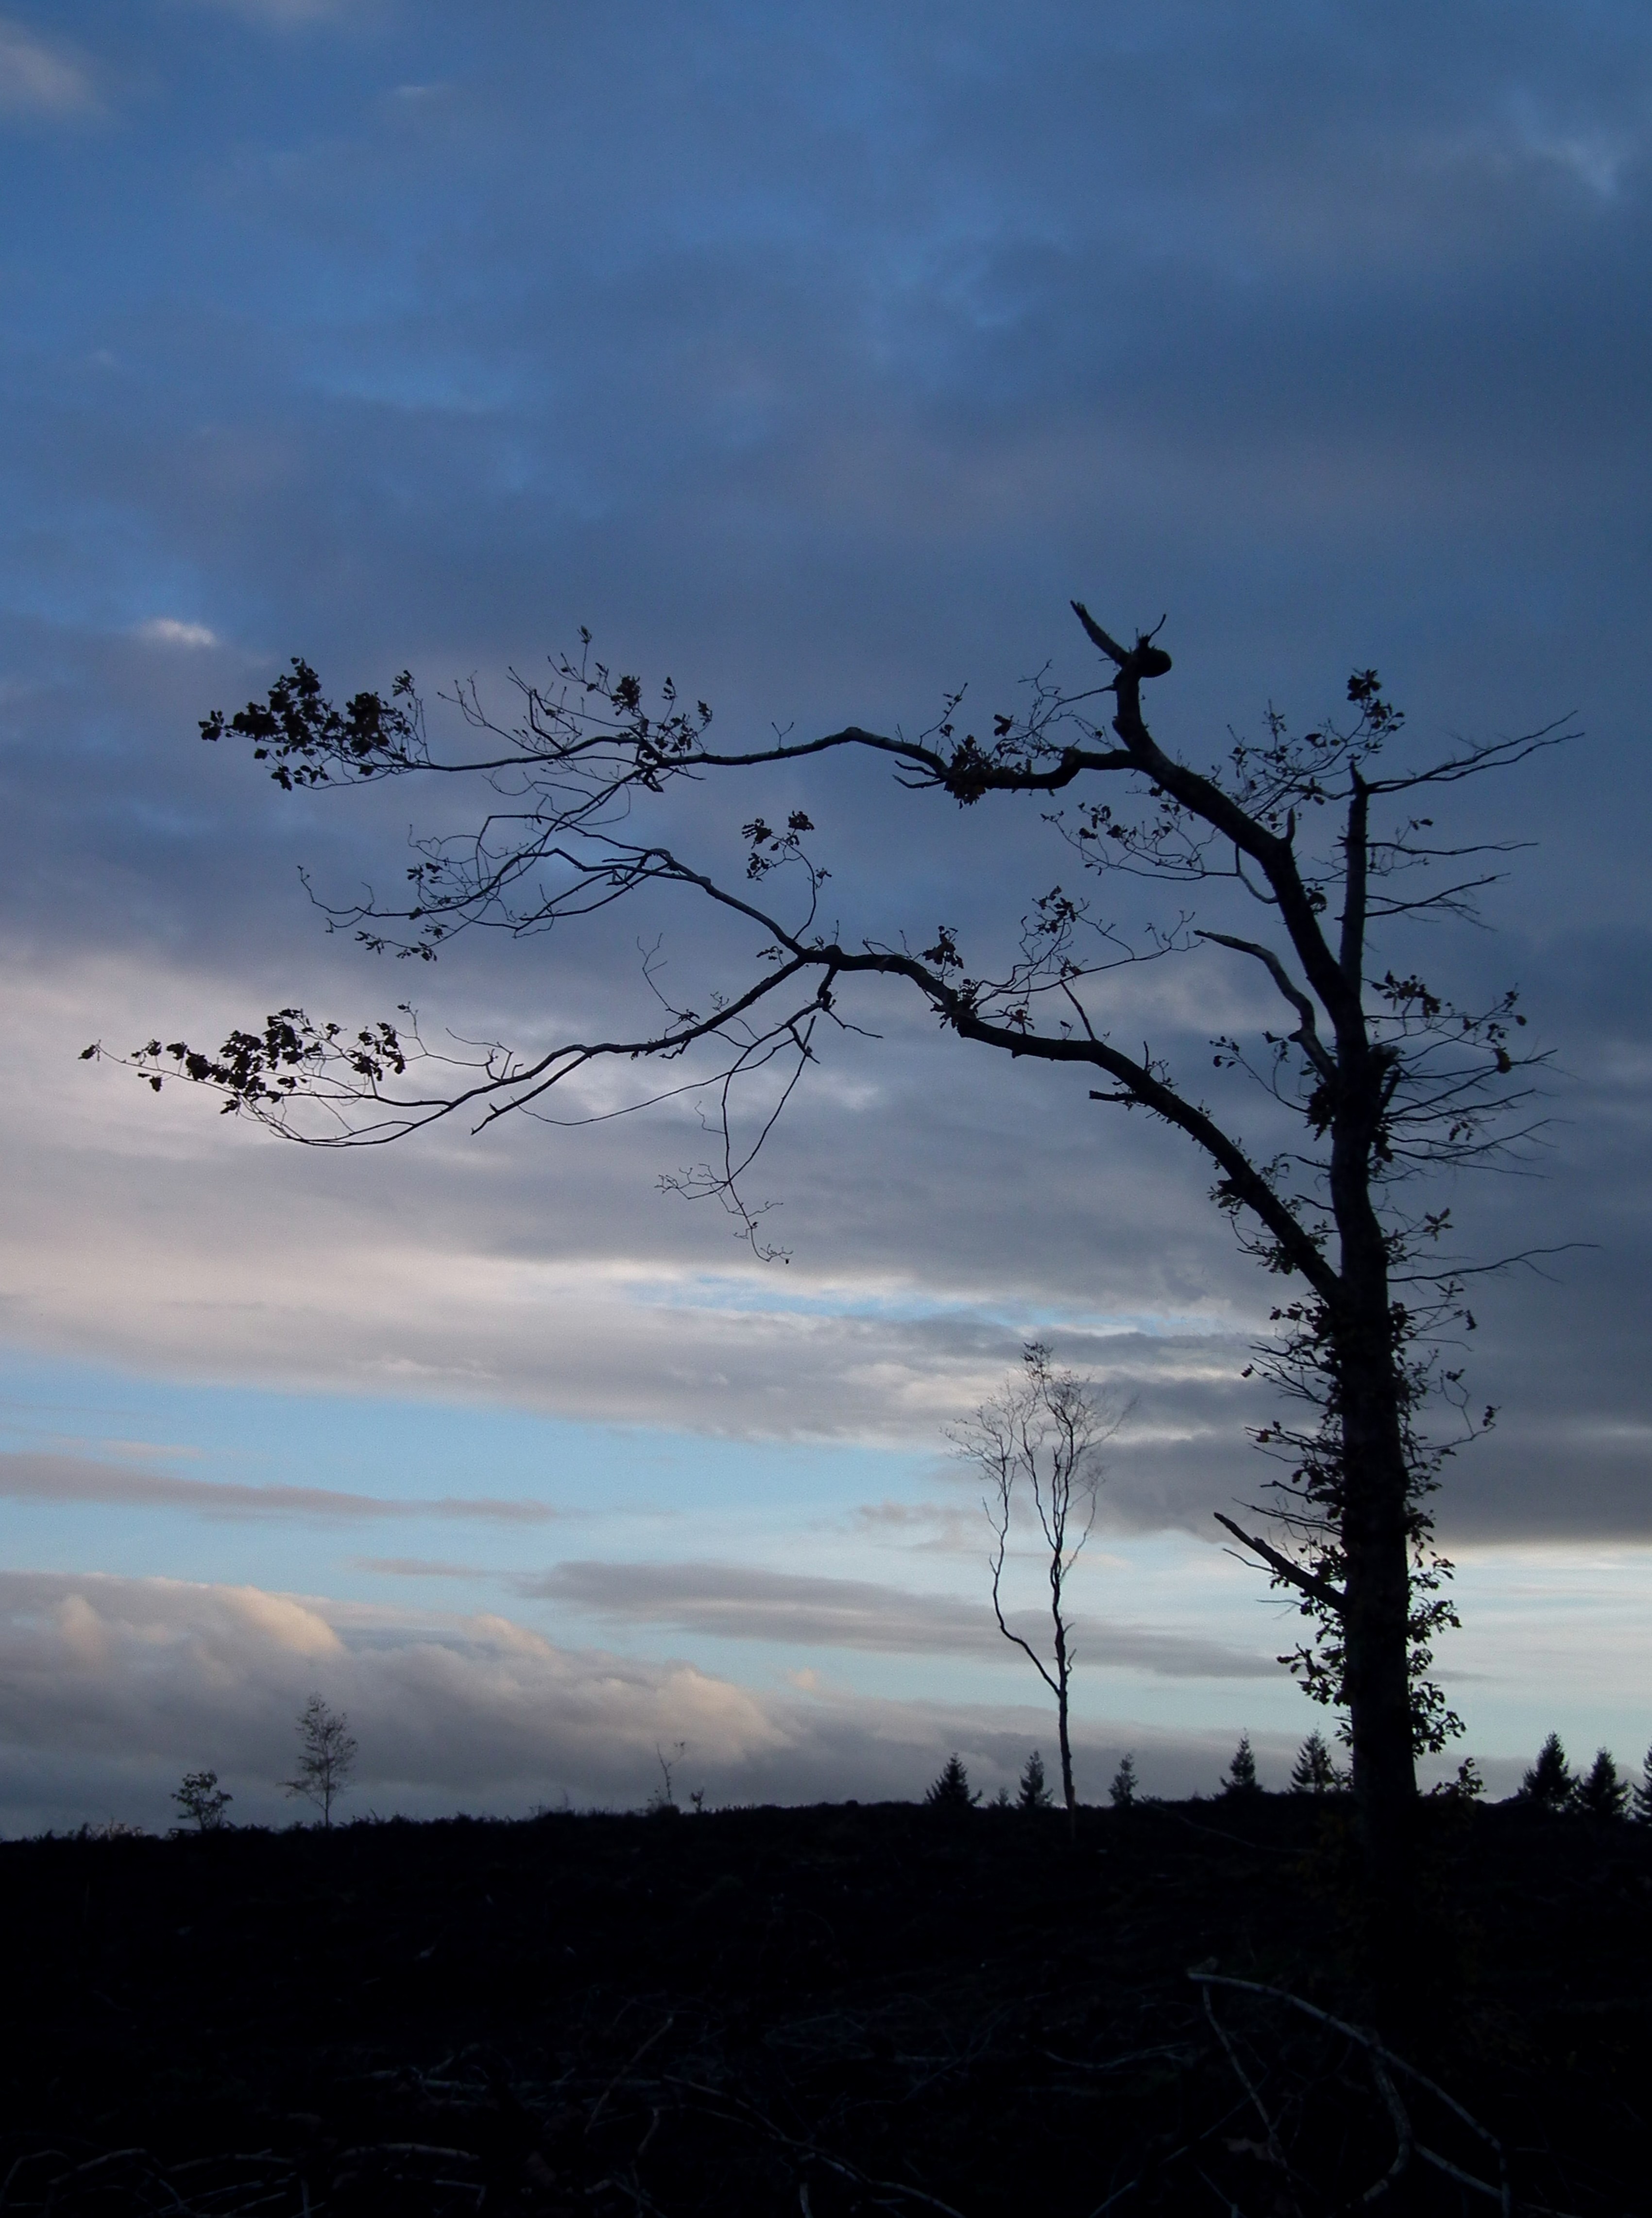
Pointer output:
x,y
819,2011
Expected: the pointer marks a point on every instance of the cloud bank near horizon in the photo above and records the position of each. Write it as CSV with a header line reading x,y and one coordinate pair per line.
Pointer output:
x,y
111,1688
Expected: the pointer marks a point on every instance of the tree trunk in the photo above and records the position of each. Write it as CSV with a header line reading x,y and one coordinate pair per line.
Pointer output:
x,y
1377,1586
1063,1674
1376,1581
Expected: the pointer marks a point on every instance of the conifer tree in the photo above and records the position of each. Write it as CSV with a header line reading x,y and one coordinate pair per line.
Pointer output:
x,y
1603,1794
951,1790
1549,1783
1122,1791
1242,1772
1641,1794
1034,1795
1313,1771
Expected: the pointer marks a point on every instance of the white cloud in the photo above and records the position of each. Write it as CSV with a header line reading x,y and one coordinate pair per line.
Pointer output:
x,y
38,79
110,1688
172,631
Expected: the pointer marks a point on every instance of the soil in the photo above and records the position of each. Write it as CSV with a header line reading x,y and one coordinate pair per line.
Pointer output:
x,y
826,2011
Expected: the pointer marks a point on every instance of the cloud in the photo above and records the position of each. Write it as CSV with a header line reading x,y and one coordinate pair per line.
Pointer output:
x,y
1266,317
415,1567
284,14
540,1270
38,79
171,631
729,1602
110,1688
30,1475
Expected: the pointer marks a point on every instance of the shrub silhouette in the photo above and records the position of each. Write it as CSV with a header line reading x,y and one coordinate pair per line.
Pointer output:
x,y
1467,1787
1122,1791
202,1800
1550,1783
951,1790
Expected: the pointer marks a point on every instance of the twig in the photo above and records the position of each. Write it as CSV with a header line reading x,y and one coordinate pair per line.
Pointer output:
x,y
1178,2050
1377,2051
1404,2138
1275,2153
753,2116
659,2031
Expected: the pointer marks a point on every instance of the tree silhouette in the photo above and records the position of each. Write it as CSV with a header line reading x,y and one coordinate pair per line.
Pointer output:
x,y
1034,1794
1600,1793
950,1791
1313,1771
1550,1783
1122,1791
202,1800
1042,1437
1242,1772
1310,839
327,1753
1641,1792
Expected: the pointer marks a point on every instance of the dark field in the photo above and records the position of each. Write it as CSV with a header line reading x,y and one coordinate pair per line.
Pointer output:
x,y
820,2011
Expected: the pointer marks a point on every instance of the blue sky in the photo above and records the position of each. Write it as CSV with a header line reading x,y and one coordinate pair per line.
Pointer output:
x,y
817,356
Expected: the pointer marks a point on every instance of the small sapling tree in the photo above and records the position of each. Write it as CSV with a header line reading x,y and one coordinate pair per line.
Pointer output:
x,y
1039,1442
327,1753
1549,1783
950,1791
1314,1772
1600,1793
202,1800
1122,1792
1242,1772
662,1802
1035,1793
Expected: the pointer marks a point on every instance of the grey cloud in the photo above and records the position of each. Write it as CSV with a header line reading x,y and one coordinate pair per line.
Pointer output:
x,y
527,1279
31,1475
41,78
732,1602
1328,336
415,1567
110,1688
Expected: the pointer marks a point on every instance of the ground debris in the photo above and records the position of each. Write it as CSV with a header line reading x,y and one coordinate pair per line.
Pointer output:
x,y
827,2011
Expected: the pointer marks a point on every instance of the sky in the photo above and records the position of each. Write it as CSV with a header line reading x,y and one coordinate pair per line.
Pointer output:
x,y
817,356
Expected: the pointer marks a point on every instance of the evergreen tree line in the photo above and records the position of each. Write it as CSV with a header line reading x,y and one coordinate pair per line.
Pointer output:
x,y
1601,1792
1551,1784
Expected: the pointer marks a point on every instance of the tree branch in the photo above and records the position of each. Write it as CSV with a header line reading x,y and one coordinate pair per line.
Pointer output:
x,y
1320,1590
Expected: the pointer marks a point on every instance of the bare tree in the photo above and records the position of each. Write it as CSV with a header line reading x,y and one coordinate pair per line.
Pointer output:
x,y
327,1753
1040,1440
1308,839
